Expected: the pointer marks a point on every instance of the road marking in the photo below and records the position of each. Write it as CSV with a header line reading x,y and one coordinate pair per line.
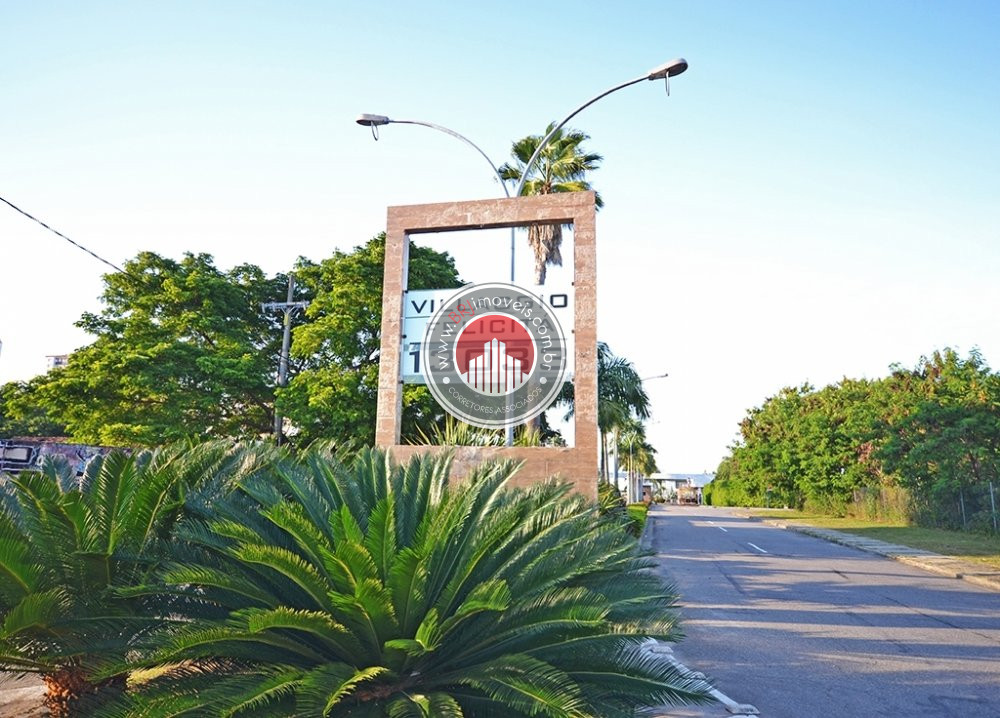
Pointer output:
x,y
757,547
735,710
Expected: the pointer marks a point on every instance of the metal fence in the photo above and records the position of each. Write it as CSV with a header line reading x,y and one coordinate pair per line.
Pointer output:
x,y
967,508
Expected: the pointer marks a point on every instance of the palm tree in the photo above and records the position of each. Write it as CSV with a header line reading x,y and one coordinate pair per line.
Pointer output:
x,y
561,167
323,588
69,547
637,454
620,397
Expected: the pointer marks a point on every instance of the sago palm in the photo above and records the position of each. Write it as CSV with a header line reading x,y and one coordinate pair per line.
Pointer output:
x,y
372,589
561,167
68,544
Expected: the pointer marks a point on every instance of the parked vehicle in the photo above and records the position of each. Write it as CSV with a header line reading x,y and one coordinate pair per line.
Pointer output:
x,y
687,495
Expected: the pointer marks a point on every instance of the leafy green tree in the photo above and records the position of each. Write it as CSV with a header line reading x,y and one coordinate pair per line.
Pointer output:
x,y
950,441
934,431
334,394
22,415
562,166
621,397
368,589
70,548
181,349
637,455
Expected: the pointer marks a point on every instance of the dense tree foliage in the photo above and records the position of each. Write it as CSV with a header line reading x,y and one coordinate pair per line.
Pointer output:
x,y
22,415
921,444
183,348
334,393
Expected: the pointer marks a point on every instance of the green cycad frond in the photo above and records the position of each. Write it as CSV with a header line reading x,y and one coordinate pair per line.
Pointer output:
x,y
370,588
421,705
74,550
528,685
213,689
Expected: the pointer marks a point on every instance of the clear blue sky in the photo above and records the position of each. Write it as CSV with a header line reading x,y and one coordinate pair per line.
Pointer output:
x,y
819,196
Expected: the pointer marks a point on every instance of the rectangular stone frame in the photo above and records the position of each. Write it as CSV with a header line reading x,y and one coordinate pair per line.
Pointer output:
x,y
577,464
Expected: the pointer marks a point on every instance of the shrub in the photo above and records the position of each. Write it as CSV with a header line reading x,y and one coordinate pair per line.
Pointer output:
x,y
69,547
369,589
637,513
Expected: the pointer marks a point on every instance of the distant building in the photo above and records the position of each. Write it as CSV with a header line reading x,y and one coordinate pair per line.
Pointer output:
x,y
56,361
668,485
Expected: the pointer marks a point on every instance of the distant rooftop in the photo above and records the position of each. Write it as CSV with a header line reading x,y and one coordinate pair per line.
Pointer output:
x,y
693,479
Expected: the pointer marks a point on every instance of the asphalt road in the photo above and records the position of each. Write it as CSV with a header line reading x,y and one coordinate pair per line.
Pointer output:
x,y
801,627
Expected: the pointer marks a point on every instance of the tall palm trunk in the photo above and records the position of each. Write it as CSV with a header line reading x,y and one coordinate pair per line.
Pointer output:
x,y
545,241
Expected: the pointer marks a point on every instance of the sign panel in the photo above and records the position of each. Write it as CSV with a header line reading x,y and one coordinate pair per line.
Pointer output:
x,y
492,359
420,304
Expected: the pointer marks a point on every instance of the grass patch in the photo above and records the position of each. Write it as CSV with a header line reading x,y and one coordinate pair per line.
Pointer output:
x,y
975,548
637,512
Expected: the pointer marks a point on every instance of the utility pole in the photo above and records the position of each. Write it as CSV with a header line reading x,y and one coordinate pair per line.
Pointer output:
x,y
288,306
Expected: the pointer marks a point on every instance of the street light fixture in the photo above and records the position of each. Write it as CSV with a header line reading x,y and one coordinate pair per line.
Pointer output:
x,y
632,489
663,72
376,121
664,375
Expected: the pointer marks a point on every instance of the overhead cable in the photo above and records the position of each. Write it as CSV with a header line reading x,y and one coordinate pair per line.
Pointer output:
x,y
60,234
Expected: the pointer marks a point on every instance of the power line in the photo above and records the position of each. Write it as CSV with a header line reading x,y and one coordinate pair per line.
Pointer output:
x,y
57,232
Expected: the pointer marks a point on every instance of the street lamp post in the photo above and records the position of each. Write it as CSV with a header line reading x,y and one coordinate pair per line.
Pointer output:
x,y
634,490
376,121
662,72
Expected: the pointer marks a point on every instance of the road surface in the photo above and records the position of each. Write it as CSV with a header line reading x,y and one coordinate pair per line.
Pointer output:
x,y
801,627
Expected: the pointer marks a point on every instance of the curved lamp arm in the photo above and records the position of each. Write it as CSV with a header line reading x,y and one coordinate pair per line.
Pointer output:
x,y
378,120
663,72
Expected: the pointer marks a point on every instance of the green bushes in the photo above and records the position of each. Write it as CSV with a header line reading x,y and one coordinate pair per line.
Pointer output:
x,y
637,513
250,582
922,445
70,550
728,492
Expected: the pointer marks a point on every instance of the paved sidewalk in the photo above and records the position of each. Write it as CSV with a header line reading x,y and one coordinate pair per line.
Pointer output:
x,y
21,697
977,574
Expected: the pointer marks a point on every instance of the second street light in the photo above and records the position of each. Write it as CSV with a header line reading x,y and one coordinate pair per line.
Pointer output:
x,y
630,489
376,121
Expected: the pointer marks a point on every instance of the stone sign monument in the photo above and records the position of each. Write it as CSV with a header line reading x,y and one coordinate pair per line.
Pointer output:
x,y
577,464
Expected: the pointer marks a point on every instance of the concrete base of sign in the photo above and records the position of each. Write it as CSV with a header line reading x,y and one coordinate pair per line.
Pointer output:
x,y
539,463
577,464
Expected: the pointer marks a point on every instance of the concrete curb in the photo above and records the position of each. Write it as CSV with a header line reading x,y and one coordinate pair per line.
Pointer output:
x,y
925,560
